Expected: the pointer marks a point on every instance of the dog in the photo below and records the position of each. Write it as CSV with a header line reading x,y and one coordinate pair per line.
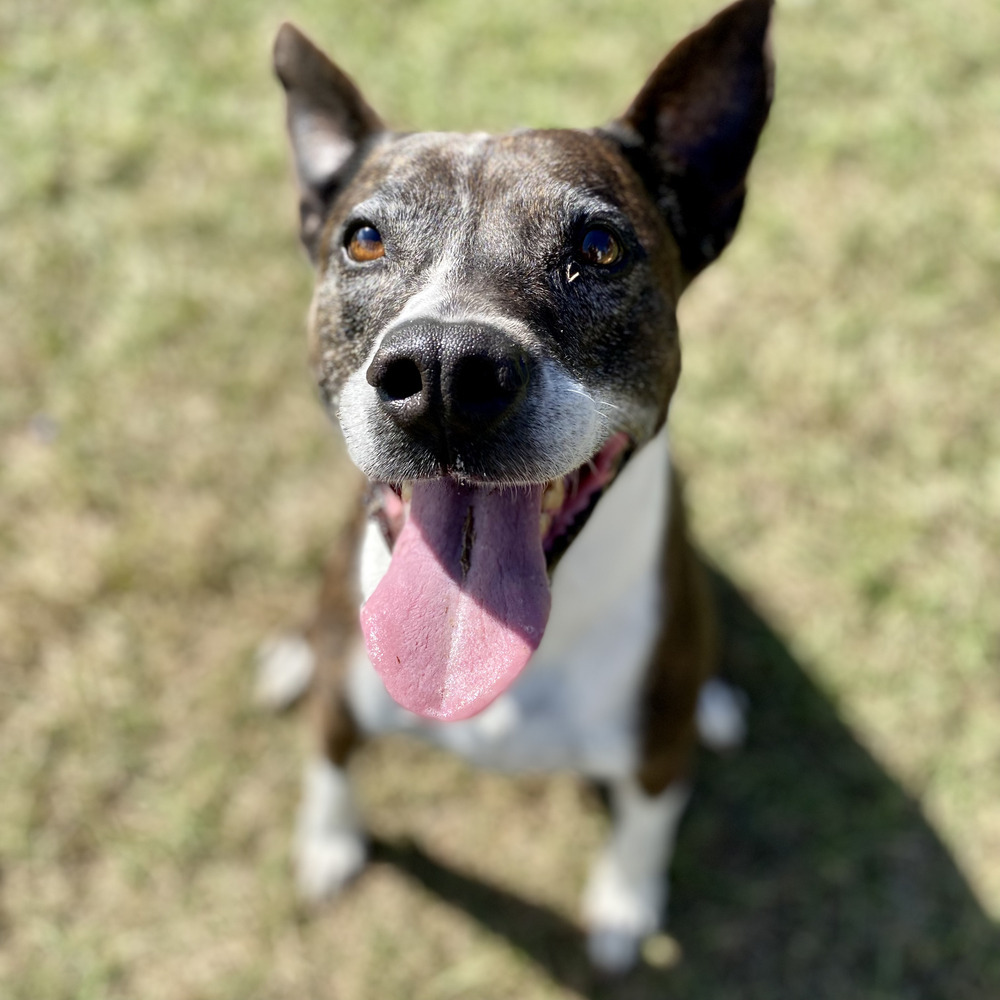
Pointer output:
x,y
494,330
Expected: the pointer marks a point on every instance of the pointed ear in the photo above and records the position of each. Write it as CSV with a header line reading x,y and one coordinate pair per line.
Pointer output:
x,y
329,123
693,128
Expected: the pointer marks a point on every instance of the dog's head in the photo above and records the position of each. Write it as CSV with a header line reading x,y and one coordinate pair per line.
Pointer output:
x,y
494,327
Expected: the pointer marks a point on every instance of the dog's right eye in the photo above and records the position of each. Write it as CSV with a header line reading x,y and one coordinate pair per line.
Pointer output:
x,y
365,244
600,247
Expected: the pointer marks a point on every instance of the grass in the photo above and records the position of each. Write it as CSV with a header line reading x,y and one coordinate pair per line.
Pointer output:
x,y
168,488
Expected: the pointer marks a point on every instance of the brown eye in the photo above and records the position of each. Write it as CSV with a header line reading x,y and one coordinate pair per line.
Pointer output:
x,y
600,247
365,244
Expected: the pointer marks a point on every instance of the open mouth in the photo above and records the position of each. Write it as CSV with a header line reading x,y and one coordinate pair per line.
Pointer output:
x,y
466,598
566,502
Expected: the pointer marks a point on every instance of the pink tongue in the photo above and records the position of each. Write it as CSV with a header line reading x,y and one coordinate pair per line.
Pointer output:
x,y
465,600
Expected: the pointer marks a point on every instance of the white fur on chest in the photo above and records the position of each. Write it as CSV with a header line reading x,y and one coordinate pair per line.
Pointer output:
x,y
574,706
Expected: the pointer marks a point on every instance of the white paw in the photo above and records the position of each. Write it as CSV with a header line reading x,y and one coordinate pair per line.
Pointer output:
x,y
721,715
620,914
329,845
326,863
285,667
612,951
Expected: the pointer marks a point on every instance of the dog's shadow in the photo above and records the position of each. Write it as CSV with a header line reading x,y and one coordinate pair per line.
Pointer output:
x,y
802,869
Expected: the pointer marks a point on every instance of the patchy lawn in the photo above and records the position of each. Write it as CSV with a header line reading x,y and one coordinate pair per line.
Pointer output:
x,y
168,487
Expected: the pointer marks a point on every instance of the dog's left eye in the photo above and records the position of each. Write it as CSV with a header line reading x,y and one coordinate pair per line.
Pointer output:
x,y
365,244
600,247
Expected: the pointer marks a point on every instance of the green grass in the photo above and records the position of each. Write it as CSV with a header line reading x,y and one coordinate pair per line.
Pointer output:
x,y
168,487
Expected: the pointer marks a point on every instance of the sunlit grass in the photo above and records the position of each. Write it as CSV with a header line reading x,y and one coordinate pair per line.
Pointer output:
x,y
168,485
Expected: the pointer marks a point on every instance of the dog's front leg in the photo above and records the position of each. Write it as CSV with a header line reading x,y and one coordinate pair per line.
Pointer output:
x,y
329,839
627,893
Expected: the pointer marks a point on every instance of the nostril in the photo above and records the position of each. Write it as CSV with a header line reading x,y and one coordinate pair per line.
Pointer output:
x,y
512,374
400,379
475,380
484,387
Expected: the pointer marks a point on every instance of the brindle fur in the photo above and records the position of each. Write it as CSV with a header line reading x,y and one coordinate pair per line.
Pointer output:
x,y
683,657
332,633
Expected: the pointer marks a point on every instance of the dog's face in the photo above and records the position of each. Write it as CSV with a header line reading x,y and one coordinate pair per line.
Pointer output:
x,y
494,327
494,308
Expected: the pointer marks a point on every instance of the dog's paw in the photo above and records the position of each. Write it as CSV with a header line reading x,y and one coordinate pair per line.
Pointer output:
x,y
721,715
620,913
285,666
613,951
326,863
329,843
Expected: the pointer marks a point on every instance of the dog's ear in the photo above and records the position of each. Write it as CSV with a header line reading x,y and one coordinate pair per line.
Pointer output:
x,y
329,123
692,130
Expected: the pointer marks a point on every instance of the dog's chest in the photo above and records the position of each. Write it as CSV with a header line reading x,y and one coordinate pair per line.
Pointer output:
x,y
574,706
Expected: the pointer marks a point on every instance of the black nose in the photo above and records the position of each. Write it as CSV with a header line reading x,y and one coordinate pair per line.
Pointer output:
x,y
449,379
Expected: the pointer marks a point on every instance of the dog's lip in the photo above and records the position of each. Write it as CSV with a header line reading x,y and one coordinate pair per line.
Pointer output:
x,y
616,445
